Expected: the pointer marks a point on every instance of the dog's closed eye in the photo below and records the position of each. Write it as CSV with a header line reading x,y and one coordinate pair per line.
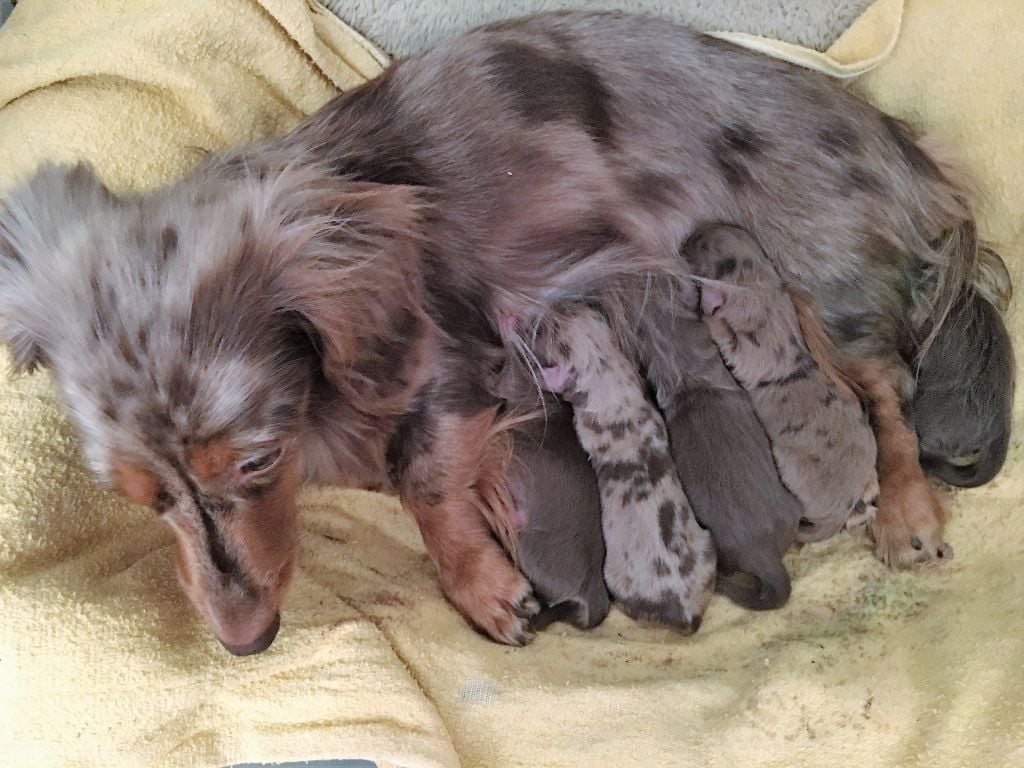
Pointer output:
x,y
260,463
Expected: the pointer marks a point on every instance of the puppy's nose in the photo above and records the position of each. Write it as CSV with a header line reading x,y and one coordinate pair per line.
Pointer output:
x,y
258,645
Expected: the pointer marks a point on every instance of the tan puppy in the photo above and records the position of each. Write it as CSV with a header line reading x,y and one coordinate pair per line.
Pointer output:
x,y
820,433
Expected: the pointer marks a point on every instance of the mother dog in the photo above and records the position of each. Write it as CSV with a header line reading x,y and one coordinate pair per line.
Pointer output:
x,y
330,304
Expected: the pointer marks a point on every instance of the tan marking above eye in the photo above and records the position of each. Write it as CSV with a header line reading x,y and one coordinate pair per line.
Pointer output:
x,y
212,459
137,484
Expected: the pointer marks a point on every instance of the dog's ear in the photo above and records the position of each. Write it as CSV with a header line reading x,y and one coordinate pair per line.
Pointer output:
x,y
34,220
21,342
349,255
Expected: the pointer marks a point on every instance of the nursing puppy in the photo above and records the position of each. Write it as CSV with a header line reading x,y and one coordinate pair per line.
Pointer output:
x,y
328,304
963,403
559,544
724,459
660,563
823,444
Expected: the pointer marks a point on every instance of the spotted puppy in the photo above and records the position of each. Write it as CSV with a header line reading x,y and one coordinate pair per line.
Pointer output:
x,y
660,564
821,437
559,545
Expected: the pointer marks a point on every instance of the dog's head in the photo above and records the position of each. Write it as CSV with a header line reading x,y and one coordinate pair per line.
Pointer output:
x,y
188,330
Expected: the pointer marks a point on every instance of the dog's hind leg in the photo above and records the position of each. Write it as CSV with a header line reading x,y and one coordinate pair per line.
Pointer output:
x,y
908,524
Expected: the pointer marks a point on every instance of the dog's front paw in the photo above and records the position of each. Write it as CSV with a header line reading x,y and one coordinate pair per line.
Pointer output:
x,y
496,599
663,573
908,525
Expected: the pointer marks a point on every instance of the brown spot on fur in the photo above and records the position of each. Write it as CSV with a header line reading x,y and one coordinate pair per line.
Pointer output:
x,y
142,337
124,348
544,88
658,464
168,242
794,428
653,189
620,471
724,267
732,149
667,513
181,389
120,388
860,180
211,460
903,136
839,138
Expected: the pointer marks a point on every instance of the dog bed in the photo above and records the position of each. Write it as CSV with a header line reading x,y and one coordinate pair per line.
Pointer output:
x,y
102,661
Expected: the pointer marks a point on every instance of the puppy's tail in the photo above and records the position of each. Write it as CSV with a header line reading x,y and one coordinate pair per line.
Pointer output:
x,y
763,592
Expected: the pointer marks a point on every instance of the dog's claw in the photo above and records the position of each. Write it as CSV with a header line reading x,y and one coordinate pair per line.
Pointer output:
x,y
527,608
907,531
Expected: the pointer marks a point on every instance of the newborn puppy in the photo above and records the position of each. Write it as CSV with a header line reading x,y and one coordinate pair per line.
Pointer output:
x,y
560,549
724,460
964,399
660,563
821,438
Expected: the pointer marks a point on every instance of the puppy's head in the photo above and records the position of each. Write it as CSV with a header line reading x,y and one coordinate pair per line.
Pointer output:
x,y
964,398
187,332
738,275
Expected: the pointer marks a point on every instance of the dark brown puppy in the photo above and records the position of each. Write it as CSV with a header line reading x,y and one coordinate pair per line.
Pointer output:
x,y
559,546
328,304
724,460
964,398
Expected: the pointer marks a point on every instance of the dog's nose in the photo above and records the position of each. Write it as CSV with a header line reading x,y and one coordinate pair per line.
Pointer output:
x,y
258,645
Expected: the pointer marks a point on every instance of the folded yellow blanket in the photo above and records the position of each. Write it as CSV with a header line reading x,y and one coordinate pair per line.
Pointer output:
x,y
102,661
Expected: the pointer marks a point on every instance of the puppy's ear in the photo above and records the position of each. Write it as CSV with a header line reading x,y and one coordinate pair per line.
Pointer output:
x,y
34,220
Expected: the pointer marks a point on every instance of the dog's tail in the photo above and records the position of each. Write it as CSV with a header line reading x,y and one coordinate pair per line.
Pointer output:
x,y
764,592
957,262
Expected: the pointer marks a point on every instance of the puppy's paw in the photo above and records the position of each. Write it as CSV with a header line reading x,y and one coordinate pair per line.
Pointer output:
x,y
664,572
862,517
497,600
908,525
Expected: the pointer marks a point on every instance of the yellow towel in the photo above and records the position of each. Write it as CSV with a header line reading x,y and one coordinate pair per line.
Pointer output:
x,y
103,663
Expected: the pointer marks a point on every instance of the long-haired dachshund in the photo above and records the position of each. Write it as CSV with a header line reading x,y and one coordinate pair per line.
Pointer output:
x,y
328,304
